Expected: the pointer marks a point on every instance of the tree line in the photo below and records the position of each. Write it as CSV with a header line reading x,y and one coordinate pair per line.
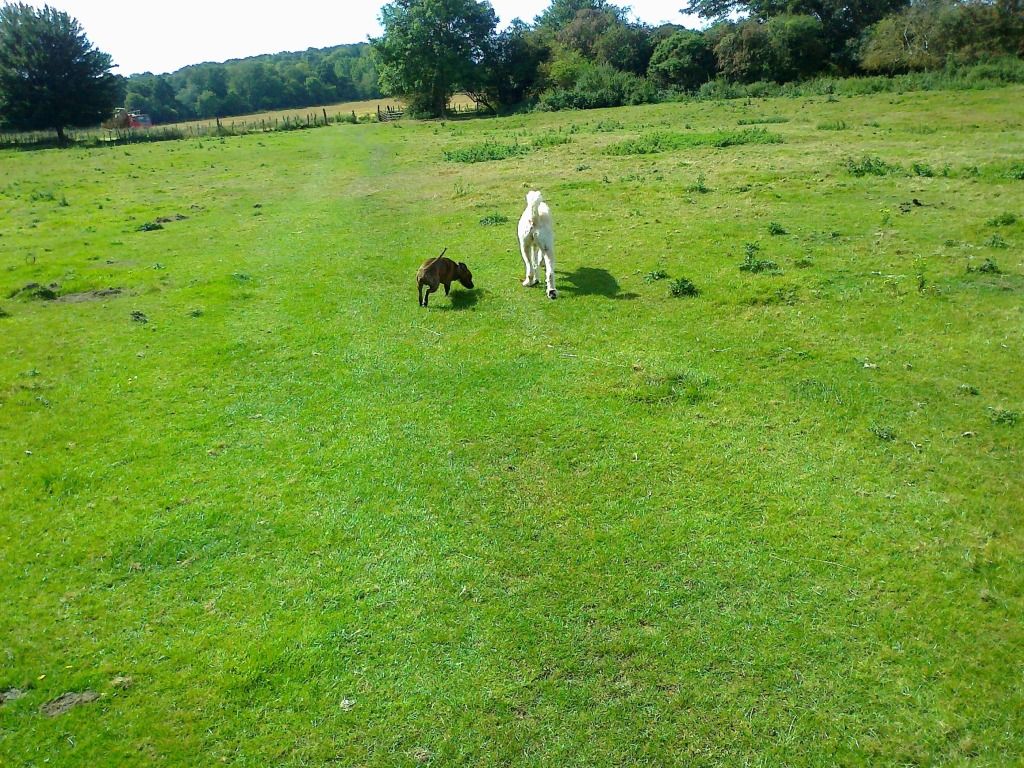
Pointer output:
x,y
576,54
588,53
243,86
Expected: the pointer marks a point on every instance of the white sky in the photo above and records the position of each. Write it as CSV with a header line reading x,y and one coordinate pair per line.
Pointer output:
x,y
162,37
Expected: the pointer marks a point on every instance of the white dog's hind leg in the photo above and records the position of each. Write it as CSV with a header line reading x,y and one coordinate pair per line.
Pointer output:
x,y
531,277
549,270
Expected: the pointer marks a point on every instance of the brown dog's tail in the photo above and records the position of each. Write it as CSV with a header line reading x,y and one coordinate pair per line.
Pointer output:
x,y
443,252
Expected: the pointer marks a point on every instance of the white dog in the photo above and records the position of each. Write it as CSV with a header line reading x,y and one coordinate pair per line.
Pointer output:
x,y
537,240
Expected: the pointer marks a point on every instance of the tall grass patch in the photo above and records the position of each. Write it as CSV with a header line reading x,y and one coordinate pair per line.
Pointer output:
x,y
485,152
663,141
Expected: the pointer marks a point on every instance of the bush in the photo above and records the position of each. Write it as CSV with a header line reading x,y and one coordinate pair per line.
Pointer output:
x,y
1002,220
988,267
599,85
682,287
870,166
751,263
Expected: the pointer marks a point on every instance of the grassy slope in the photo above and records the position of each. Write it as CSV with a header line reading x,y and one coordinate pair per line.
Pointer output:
x,y
313,522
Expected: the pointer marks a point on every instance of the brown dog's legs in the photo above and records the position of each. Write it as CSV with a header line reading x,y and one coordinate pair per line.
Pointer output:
x,y
419,293
430,290
447,288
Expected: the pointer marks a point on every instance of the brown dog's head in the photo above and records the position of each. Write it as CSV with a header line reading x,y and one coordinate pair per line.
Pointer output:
x,y
463,275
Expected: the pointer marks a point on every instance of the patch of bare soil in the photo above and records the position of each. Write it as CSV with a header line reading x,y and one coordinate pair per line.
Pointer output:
x,y
11,694
77,298
67,701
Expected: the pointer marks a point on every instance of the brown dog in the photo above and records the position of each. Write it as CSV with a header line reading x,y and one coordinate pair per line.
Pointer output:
x,y
441,271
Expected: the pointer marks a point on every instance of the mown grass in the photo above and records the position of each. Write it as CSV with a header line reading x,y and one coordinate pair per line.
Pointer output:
x,y
275,513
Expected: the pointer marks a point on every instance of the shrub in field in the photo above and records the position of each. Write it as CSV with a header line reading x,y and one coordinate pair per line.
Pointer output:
x,y
751,262
996,242
870,166
701,185
657,274
1003,416
682,287
832,125
481,153
1016,172
987,267
1002,220
494,220
883,433
922,169
774,228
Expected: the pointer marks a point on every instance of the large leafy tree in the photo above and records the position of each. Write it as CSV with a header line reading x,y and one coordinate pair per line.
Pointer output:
x,y
511,68
561,13
685,60
432,48
51,76
842,21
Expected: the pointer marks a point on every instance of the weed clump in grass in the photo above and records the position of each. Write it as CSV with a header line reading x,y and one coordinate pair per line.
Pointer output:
x,y
883,433
689,386
481,153
681,287
608,126
1002,220
803,262
968,389
1003,416
774,228
700,186
987,267
493,220
1016,172
832,125
4,313
996,242
550,139
655,275
751,263
151,226
923,169
768,120
870,166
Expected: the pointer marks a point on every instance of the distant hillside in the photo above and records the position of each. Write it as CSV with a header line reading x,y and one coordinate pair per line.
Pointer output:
x,y
255,84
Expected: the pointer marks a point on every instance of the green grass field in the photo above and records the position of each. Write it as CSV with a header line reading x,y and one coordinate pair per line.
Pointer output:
x,y
274,513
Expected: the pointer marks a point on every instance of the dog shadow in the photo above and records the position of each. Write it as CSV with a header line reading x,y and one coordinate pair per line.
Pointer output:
x,y
460,300
592,281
